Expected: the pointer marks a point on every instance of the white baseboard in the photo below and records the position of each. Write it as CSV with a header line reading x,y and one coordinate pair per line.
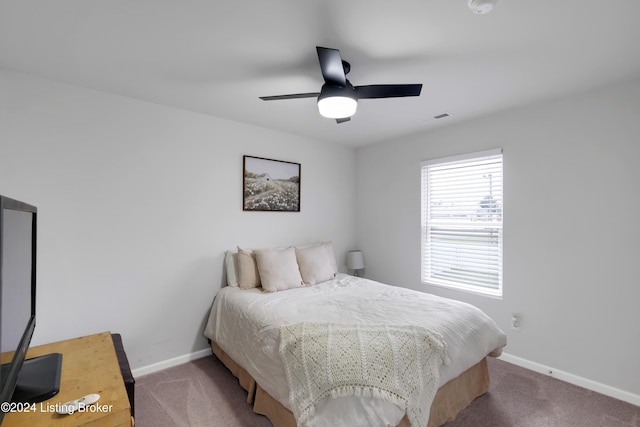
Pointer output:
x,y
616,393
155,367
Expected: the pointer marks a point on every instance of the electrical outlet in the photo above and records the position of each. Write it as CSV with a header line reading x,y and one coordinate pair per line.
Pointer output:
x,y
516,322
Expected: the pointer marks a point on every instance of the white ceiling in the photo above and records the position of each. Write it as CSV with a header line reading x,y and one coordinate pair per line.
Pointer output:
x,y
216,57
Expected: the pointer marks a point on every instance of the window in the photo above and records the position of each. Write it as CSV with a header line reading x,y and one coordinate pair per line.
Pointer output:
x,y
462,222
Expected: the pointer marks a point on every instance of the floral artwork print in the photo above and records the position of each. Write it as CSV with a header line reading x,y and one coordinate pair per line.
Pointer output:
x,y
270,185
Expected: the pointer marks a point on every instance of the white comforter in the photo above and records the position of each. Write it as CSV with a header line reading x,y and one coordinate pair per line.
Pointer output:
x,y
244,323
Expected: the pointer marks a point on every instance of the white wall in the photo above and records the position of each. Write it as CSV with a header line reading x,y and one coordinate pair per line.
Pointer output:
x,y
138,202
571,230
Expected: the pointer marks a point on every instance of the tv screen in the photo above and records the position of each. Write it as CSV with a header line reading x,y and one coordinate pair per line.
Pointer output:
x,y
16,276
36,379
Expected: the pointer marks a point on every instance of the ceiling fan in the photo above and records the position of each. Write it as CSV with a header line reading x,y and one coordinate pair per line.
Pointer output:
x,y
338,98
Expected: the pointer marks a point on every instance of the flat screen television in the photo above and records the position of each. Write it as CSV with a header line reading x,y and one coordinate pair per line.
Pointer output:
x,y
36,379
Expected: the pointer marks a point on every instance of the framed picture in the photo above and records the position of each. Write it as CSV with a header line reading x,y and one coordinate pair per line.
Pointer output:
x,y
270,185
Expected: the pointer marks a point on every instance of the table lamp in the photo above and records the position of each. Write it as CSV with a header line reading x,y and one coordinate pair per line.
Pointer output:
x,y
355,261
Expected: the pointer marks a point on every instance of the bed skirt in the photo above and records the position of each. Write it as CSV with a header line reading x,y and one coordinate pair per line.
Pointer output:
x,y
449,400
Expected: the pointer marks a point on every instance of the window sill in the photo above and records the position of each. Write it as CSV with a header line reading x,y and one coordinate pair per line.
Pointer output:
x,y
491,293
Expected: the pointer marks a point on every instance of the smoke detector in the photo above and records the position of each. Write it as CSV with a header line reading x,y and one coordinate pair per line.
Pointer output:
x,y
481,6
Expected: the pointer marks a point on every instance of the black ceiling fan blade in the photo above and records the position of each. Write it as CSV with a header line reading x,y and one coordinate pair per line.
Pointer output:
x,y
387,91
291,96
331,66
342,120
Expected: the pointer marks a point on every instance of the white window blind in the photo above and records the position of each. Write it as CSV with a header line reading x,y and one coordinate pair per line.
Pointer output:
x,y
462,222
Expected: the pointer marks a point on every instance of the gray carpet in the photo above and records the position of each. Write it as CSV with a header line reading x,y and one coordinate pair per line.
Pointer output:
x,y
520,397
204,393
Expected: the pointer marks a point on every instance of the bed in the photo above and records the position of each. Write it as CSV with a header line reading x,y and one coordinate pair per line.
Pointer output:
x,y
262,333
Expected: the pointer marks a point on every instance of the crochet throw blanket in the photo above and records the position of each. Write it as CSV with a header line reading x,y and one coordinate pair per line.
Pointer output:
x,y
399,364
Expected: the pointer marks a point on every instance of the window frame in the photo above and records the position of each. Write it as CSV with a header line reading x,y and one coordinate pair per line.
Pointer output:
x,y
492,226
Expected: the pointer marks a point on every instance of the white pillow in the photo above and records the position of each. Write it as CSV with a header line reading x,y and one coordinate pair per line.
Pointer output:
x,y
328,247
278,269
231,267
315,265
248,275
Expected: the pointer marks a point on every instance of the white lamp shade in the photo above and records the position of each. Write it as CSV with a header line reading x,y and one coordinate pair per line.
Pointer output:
x,y
355,260
337,107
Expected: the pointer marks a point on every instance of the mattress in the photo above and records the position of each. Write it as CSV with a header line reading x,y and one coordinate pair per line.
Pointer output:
x,y
245,324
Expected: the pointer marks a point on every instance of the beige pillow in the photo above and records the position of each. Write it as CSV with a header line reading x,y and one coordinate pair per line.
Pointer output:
x,y
248,275
315,265
278,269
328,247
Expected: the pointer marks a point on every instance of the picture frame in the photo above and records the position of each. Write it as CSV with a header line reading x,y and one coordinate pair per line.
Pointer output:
x,y
270,185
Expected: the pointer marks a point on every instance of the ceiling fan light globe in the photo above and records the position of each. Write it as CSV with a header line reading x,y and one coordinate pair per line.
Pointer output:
x,y
337,107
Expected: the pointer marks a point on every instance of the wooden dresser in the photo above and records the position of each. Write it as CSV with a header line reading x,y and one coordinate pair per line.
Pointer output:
x,y
89,365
